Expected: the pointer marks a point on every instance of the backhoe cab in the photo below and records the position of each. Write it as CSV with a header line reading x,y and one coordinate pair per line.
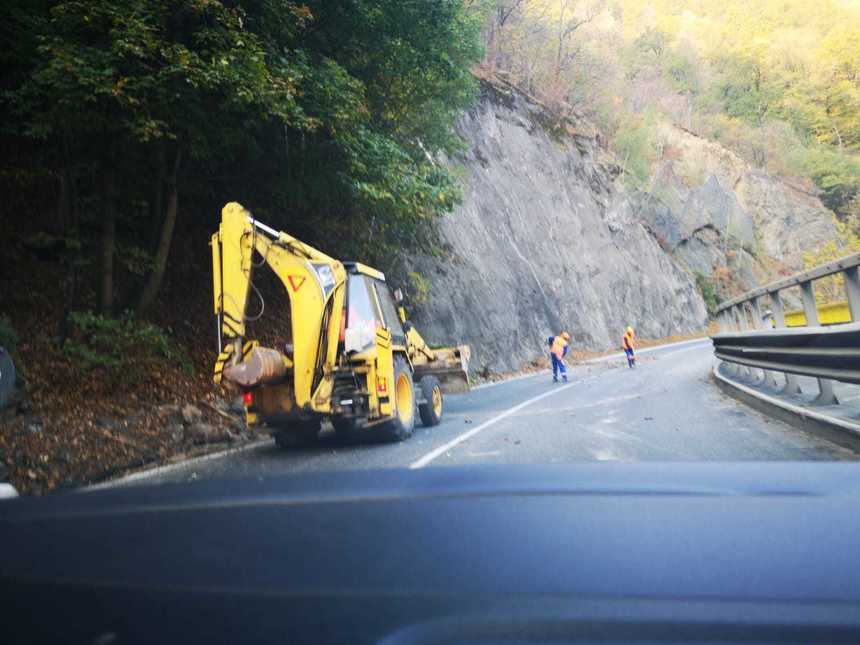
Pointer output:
x,y
353,358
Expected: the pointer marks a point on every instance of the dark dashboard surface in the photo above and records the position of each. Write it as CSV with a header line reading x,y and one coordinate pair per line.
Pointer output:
x,y
587,553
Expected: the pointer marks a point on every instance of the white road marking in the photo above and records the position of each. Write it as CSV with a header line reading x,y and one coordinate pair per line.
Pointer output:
x,y
430,456
179,465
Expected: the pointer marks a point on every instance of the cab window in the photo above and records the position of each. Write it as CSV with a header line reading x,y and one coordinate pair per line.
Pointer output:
x,y
389,309
362,308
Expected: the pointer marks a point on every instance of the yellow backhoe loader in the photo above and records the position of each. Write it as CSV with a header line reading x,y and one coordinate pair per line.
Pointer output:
x,y
353,357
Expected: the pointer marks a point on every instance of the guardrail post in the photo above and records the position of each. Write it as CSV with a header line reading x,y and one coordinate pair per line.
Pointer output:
x,y
768,376
749,325
825,386
791,384
852,291
741,325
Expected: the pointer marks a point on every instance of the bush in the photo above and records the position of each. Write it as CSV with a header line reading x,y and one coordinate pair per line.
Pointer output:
x,y
708,288
125,348
8,335
635,146
420,288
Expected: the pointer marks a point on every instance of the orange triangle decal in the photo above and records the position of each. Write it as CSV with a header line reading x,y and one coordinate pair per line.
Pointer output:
x,y
296,281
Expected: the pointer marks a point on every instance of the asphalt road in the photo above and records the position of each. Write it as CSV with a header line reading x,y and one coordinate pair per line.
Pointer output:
x,y
667,409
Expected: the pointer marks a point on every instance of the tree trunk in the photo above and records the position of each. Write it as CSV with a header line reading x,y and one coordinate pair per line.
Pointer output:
x,y
106,287
156,206
153,284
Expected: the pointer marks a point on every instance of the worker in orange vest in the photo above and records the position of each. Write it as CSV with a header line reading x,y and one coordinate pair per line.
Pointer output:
x,y
558,346
628,342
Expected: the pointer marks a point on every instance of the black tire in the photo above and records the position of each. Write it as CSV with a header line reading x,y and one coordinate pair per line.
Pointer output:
x,y
431,391
297,435
401,425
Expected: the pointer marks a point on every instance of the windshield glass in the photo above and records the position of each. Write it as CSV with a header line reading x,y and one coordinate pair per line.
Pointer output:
x,y
619,230
389,309
362,309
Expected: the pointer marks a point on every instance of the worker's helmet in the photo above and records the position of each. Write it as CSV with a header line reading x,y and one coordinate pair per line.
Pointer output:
x,y
630,330
565,335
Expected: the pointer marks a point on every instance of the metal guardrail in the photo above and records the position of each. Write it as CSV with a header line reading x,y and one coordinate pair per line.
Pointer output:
x,y
748,340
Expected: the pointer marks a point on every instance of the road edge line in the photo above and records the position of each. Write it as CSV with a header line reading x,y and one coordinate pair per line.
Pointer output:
x,y
167,468
433,454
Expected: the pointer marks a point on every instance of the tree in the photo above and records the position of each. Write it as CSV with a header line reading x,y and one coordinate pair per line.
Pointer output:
x,y
325,114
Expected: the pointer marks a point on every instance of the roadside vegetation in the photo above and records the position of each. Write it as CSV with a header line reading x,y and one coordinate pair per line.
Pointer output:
x,y
128,124
776,82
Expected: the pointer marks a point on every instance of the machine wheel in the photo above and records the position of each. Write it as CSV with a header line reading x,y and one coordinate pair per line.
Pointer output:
x,y
431,412
297,435
403,391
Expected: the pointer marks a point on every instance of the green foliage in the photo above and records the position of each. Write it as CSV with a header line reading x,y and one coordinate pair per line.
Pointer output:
x,y
635,144
419,291
8,336
708,288
832,289
320,116
680,68
125,349
836,173
743,71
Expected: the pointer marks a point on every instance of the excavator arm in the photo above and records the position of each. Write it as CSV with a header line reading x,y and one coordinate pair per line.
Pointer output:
x,y
315,284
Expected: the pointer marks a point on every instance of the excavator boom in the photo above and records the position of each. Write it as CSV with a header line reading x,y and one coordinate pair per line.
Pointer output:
x,y
314,283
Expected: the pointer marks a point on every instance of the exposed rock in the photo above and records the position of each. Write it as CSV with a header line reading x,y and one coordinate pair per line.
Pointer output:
x,y
191,414
202,433
544,241
176,432
700,186
169,413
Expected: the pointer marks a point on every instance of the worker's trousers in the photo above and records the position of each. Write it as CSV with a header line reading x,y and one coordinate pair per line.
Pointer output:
x,y
631,359
558,366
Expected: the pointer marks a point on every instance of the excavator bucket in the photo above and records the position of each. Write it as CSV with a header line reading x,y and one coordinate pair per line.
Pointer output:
x,y
451,367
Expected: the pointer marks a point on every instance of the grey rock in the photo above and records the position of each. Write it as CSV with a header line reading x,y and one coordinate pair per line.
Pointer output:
x,y
191,414
705,199
176,432
203,433
237,406
530,251
169,413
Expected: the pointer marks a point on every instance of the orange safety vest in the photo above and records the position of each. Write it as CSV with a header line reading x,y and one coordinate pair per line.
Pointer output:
x,y
558,345
627,341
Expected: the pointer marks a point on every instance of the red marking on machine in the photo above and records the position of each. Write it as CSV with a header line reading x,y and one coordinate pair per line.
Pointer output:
x,y
296,282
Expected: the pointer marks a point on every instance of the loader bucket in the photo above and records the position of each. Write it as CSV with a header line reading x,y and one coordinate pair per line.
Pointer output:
x,y
451,367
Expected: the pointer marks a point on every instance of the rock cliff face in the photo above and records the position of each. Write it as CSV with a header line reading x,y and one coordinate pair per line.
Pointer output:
x,y
548,239
545,241
704,201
